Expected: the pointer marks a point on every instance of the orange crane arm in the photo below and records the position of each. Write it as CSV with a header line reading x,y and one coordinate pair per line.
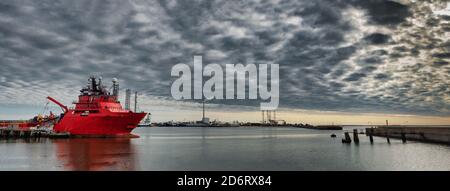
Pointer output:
x,y
60,104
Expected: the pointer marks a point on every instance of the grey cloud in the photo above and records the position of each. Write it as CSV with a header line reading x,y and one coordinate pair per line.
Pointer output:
x,y
372,60
385,12
377,38
355,77
440,63
381,76
442,55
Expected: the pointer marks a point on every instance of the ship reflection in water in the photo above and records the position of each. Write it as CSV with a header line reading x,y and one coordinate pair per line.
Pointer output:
x,y
95,154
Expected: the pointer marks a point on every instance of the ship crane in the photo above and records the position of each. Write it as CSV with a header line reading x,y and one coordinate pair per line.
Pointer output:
x,y
63,107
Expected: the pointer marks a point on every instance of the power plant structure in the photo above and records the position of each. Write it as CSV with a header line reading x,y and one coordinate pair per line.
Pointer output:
x,y
269,117
205,120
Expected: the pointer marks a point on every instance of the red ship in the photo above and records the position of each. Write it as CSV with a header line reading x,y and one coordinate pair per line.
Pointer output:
x,y
97,113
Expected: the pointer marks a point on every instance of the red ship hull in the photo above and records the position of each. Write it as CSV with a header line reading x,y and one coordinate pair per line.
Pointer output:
x,y
99,125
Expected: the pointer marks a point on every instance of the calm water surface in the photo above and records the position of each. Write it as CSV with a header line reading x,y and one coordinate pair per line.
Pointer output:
x,y
174,148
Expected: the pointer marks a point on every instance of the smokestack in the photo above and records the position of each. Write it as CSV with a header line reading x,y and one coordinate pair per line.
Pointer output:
x,y
262,111
203,110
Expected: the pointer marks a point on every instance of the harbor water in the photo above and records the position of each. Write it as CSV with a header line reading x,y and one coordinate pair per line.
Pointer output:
x,y
197,148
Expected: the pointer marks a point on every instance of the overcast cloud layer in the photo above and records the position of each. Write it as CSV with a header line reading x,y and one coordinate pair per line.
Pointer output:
x,y
356,56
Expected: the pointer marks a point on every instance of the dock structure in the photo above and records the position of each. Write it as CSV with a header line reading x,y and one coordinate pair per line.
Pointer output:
x,y
434,134
327,127
6,133
26,133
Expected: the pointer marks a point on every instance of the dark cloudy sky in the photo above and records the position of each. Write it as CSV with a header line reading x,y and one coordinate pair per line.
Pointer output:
x,y
352,56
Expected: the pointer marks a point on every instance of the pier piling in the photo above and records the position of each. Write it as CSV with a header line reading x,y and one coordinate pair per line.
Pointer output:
x,y
26,134
370,133
403,137
355,136
17,134
347,138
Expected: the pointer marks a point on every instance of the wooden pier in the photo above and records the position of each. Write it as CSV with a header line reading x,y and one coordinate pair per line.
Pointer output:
x,y
433,134
21,133
13,133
